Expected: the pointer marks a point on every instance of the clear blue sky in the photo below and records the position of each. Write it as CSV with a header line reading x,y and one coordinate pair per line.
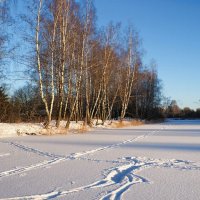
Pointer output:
x,y
170,31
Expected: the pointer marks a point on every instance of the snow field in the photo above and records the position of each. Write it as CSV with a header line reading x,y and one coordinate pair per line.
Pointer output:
x,y
146,162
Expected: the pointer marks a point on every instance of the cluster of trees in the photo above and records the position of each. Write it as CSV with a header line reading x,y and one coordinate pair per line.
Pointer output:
x,y
24,105
81,72
85,73
174,111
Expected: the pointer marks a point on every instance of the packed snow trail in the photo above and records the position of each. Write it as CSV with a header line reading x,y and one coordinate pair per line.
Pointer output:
x,y
32,150
79,154
122,177
20,170
4,155
58,158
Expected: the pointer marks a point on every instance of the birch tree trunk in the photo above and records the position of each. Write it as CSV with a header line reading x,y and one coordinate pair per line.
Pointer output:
x,y
64,35
130,73
48,112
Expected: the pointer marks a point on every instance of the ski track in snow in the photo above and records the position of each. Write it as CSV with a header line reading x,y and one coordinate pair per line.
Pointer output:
x,y
4,155
121,178
58,158
32,150
19,170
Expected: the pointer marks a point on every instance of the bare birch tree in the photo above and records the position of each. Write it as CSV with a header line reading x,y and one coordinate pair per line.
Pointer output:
x,y
129,70
50,37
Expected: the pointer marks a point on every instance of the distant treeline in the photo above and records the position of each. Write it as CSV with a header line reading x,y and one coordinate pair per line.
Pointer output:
x,y
173,111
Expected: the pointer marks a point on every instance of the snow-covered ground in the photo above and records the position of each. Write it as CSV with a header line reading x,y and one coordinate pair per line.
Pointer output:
x,y
24,129
148,162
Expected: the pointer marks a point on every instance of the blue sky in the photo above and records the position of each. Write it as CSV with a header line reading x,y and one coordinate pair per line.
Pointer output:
x,y
170,33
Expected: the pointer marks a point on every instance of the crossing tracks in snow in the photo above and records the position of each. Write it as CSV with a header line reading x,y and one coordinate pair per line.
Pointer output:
x,y
115,181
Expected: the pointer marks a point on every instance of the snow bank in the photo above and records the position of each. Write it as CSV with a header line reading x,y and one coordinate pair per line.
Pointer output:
x,y
17,129
22,129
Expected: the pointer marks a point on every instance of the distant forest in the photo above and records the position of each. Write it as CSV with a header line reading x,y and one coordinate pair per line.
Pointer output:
x,y
79,71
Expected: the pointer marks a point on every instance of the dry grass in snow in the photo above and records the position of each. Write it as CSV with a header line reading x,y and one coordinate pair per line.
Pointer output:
x,y
21,129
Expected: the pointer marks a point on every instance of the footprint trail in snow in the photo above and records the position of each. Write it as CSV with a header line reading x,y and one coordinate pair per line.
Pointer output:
x,y
56,159
121,178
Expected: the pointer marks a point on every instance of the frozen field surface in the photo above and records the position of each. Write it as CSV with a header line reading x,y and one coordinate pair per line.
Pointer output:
x,y
149,162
